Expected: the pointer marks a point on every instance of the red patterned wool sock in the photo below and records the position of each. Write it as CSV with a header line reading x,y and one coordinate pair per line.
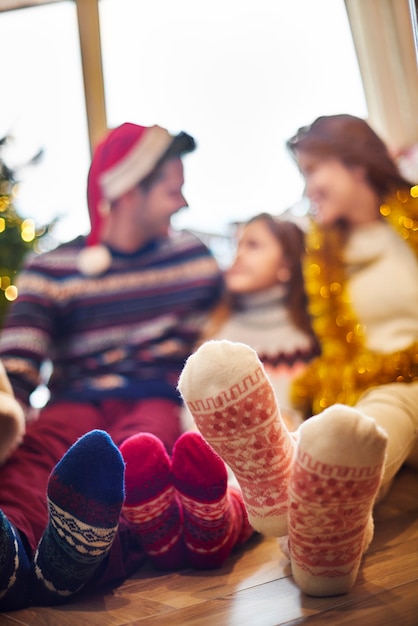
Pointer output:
x,y
334,481
234,407
215,519
151,505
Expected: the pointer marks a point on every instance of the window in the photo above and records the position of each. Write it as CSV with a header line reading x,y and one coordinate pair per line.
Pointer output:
x,y
42,106
239,75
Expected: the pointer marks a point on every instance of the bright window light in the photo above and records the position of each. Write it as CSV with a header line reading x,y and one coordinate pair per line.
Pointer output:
x,y
239,75
42,106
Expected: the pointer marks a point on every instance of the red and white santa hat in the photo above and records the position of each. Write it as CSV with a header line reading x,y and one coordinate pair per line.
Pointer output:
x,y
125,157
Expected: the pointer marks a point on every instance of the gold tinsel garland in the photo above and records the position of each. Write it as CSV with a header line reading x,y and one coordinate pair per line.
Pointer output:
x,y
346,368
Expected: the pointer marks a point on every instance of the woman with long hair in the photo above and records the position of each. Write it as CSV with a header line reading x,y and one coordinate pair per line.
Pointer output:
x,y
361,279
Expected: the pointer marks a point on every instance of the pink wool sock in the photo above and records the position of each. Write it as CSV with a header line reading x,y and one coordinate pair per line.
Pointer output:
x,y
334,481
215,519
151,504
233,404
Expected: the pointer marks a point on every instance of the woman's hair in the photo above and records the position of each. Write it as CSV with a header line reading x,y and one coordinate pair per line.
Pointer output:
x,y
351,140
292,240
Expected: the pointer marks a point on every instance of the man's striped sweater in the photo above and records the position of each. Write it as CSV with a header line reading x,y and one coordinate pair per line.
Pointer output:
x,y
124,334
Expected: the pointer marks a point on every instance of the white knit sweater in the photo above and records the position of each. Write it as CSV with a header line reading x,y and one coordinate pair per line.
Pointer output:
x,y
383,282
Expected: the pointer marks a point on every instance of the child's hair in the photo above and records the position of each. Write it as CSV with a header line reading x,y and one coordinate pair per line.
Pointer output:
x,y
351,140
292,240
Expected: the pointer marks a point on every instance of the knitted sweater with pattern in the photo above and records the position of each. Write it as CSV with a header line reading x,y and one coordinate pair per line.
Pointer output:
x,y
263,321
123,334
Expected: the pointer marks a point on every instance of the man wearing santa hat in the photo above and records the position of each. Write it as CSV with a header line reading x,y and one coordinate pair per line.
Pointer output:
x,y
116,313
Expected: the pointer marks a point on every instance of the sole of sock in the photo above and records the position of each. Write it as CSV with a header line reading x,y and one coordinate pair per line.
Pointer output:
x,y
333,484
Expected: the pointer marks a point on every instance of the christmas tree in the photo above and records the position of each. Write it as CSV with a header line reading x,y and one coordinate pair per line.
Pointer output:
x,y
18,235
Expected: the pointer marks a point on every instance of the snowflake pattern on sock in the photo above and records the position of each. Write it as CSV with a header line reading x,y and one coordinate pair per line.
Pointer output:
x,y
330,507
157,521
151,506
209,526
244,426
85,494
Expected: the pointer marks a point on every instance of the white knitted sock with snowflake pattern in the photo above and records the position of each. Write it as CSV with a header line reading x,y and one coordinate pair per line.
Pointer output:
x,y
333,484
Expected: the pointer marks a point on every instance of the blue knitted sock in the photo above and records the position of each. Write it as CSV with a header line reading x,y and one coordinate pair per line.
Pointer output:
x,y
14,568
85,496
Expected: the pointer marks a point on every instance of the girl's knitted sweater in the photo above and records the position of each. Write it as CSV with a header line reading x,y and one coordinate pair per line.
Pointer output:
x,y
262,321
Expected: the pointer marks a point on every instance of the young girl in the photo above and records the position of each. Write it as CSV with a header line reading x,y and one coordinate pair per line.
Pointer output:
x,y
361,276
265,304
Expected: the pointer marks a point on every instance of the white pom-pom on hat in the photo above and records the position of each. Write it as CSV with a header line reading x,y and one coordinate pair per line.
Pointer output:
x,y
94,260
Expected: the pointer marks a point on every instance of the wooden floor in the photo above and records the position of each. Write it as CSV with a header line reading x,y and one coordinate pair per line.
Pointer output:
x,y
255,587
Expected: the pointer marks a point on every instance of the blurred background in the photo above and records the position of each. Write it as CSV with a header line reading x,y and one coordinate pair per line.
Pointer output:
x,y
239,75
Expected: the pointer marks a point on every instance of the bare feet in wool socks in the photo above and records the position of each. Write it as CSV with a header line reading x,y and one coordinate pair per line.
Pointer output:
x,y
233,404
334,481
